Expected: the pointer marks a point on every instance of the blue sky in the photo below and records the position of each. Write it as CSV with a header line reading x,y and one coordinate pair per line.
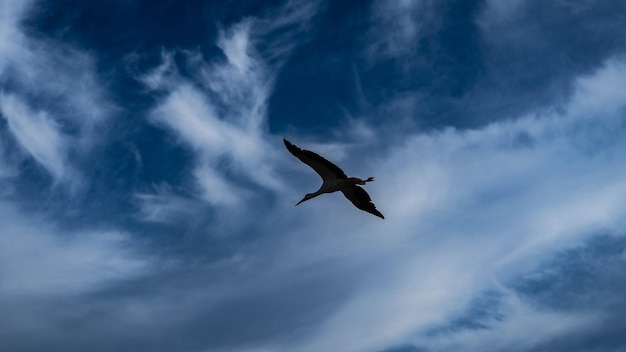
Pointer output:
x,y
146,198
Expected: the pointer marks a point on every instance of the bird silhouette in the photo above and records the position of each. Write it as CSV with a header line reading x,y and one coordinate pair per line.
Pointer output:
x,y
334,180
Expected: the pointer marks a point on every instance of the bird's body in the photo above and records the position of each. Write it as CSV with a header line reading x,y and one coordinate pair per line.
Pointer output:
x,y
335,180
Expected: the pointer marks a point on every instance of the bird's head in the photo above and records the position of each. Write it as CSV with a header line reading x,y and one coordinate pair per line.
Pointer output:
x,y
306,197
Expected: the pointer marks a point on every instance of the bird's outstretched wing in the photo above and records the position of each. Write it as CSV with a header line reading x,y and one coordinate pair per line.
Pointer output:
x,y
361,200
323,167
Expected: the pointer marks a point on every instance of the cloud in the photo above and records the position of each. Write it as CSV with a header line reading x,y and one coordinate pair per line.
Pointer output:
x,y
38,262
38,135
235,46
567,303
398,27
600,94
221,112
47,274
165,206
10,36
189,114
512,60
278,33
51,95
523,329
531,65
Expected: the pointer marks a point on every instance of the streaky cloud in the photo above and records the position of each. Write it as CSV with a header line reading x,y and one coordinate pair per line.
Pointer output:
x,y
523,327
38,259
221,113
38,135
164,206
600,94
398,27
11,39
51,96
235,46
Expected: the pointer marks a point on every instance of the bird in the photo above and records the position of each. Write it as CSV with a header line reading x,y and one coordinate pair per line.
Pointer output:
x,y
334,179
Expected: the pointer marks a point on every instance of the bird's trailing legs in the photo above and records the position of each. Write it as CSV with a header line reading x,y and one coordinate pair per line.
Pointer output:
x,y
358,181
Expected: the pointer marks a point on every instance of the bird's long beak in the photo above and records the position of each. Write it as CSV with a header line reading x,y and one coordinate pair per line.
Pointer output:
x,y
303,199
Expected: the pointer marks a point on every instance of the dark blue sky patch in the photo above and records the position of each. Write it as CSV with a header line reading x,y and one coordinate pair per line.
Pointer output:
x,y
125,26
330,78
317,85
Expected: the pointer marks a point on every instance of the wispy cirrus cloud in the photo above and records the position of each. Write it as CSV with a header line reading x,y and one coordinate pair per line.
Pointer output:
x,y
52,98
221,112
12,13
399,27
37,134
521,328
38,262
43,267
165,206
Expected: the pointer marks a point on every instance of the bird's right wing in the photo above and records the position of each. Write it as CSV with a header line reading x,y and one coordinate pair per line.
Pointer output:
x,y
323,167
361,200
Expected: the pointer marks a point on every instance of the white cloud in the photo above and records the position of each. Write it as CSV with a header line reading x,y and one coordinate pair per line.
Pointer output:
x,y
221,112
224,122
38,260
398,26
164,206
37,133
63,82
188,113
11,13
601,93
161,76
217,189
282,30
235,46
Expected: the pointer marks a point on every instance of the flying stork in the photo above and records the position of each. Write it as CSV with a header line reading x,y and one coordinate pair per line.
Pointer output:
x,y
334,180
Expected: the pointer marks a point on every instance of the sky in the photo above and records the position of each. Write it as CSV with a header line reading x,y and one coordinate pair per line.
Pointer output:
x,y
147,199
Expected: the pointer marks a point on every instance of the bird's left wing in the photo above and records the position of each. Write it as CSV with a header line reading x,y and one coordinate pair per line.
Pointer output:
x,y
361,200
323,167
